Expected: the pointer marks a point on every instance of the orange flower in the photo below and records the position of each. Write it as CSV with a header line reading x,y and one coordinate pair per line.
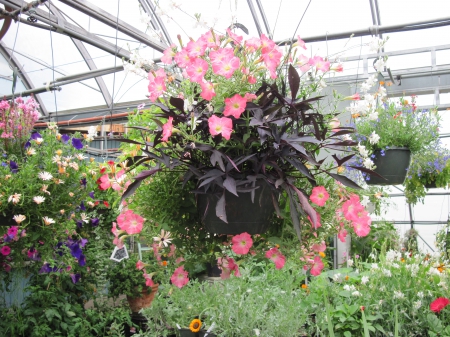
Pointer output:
x,y
304,286
346,277
164,263
322,254
195,325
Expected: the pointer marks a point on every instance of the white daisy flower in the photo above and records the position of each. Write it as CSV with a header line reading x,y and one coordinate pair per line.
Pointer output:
x,y
38,199
45,175
47,220
15,198
19,218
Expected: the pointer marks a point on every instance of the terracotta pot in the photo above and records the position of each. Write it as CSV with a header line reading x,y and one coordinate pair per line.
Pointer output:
x,y
137,303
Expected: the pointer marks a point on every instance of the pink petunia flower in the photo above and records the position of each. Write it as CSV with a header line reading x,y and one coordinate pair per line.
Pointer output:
x,y
207,90
12,231
130,222
169,54
179,277
342,234
5,250
317,266
320,63
140,265
319,195
226,67
197,70
361,229
211,40
235,106
223,126
319,247
242,243
182,58
275,255
252,44
438,304
196,48
237,39
228,265
167,130
300,42
303,63
351,207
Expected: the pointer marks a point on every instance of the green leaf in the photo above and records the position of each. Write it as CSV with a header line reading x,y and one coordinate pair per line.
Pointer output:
x,y
70,313
347,334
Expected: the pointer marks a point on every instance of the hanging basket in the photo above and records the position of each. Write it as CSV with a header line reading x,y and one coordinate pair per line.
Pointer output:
x,y
393,166
430,185
138,303
243,215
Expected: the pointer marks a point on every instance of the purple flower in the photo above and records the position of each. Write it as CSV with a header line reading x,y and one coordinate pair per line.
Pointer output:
x,y
65,138
95,222
82,207
27,144
77,143
76,251
79,223
82,260
36,135
141,106
91,194
83,182
83,242
75,278
13,167
4,164
46,268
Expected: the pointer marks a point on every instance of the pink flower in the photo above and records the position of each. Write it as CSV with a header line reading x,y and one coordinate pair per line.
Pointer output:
x,y
12,231
317,266
319,247
219,55
207,90
212,41
179,277
361,229
167,130
5,250
169,53
148,280
196,48
266,44
438,304
272,59
156,88
303,63
338,68
226,67
197,70
140,265
318,224
319,195
228,265
342,234
223,126
250,97
182,58
320,63
351,207
235,106
236,38
241,243
334,123
103,182
300,42
252,44
275,255
354,97
130,222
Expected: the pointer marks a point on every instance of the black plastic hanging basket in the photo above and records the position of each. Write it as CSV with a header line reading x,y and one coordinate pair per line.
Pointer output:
x,y
243,215
393,166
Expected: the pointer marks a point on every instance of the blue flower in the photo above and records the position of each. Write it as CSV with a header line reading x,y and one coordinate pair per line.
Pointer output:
x,y
77,143
91,194
76,251
82,207
13,167
65,138
82,260
95,222
75,277
36,135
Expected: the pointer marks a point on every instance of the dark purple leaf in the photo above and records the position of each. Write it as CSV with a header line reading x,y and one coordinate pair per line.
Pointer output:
x,y
230,184
309,210
341,161
294,81
131,189
220,208
216,158
177,103
345,181
363,169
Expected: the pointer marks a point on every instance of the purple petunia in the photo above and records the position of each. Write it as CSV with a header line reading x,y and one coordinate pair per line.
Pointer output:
x,y
13,166
36,135
82,260
77,143
75,278
91,194
65,138
83,182
95,222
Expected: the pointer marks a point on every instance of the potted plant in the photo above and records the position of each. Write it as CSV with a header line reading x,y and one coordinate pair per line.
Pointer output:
x,y
429,169
45,182
388,131
264,300
241,124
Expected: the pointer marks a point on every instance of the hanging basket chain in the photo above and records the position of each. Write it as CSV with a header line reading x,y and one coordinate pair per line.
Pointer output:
x,y
15,14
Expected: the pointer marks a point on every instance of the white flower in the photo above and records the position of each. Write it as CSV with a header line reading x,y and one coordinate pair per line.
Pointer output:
x,y
346,138
80,156
365,200
374,266
387,272
74,165
395,265
382,91
417,304
45,175
374,138
163,238
364,279
31,152
38,199
349,262
420,294
380,64
15,198
47,220
19,218
92,132
84,218
38,141
399,295
362,150
44,189
373,116
356,293
56,159
257,332
337,277
368,163
349,287
393,255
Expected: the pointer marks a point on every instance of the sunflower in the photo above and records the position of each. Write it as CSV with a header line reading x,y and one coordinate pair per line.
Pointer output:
x,y
195,325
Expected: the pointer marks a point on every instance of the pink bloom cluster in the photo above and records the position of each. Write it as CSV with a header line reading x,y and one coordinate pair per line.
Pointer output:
x,y
356,214
208,58
17,120
130,222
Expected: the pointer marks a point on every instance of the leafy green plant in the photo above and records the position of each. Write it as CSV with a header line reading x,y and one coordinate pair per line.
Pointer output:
x,y
430,167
